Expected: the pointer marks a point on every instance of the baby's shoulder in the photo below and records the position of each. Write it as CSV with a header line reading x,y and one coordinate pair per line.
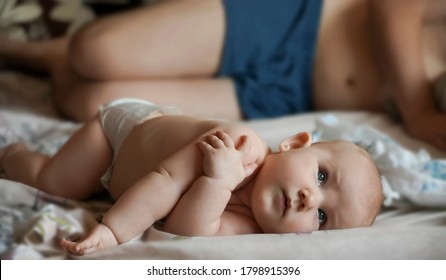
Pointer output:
x,y
259,148
237,130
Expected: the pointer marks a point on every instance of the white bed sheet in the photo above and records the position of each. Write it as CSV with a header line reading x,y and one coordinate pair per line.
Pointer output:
x,y
31,223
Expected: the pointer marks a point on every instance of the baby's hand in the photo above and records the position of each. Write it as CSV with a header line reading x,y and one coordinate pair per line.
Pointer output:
x,y
99,238
430,127
223,161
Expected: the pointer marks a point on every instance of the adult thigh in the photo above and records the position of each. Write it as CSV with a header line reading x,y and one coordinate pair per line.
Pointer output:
x,y
172,38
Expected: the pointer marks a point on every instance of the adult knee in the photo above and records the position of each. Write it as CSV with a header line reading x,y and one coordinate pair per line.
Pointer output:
x,y
91,53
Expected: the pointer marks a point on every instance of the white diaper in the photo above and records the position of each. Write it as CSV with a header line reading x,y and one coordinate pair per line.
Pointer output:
x,y
119,117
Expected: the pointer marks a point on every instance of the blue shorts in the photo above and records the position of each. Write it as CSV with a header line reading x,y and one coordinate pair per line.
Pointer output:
x,y
269,52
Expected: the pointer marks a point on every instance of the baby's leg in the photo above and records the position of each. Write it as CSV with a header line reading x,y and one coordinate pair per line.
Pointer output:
x,y
74,172
10,150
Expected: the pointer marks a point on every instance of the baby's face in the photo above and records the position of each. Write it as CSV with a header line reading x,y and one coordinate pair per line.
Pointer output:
x,y
327,185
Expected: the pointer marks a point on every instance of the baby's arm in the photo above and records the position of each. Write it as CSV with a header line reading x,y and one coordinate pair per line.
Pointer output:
x,y
199,210
397,27
223,163
147,201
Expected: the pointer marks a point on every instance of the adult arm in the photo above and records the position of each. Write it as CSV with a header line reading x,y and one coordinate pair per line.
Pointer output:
x,y
397,26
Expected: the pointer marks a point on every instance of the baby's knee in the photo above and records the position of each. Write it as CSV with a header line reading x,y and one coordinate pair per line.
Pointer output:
x,y
11,149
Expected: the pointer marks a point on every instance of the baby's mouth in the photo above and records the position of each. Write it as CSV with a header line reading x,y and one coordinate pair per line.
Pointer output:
x,y
285,203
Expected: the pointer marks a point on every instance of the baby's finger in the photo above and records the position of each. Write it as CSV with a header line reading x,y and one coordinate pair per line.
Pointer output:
x,y
245,145
227,141
88,251
86,247
215,141
250,168
205,147
70,246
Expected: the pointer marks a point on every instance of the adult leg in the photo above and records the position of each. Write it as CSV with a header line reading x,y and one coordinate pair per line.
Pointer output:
x,y
171,38
434,40
80,99
74,171
41,56
435,11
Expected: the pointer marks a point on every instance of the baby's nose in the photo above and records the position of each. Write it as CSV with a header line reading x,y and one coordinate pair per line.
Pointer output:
x,y
306,199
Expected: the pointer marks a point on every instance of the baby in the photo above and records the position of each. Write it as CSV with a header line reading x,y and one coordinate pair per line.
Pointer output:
x,y
201,177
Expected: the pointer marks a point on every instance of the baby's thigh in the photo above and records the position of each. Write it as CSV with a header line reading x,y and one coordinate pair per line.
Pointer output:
x,y
78,165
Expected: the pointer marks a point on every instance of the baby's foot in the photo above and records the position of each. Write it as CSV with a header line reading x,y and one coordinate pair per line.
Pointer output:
x,y
9,150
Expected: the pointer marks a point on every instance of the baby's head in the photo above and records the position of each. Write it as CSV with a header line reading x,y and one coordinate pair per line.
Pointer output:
x,y
306,187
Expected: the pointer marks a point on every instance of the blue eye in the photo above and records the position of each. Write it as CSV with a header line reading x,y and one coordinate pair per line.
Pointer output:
x,y
321,177
322,216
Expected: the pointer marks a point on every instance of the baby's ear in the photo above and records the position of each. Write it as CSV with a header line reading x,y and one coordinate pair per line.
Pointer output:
x,y
300,140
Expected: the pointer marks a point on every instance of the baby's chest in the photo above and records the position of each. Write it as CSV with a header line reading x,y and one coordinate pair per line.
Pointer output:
x,y
236,220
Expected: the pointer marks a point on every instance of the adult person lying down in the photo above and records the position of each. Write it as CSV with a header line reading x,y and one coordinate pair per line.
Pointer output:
x,y
259,58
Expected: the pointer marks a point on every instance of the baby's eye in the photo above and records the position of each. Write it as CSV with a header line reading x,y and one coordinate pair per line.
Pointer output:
x,y
322,217
321,177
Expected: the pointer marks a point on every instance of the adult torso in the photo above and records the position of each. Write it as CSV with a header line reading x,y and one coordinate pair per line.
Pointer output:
x,y
346,72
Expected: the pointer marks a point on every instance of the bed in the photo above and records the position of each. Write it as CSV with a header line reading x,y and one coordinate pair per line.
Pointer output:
x,y
32,223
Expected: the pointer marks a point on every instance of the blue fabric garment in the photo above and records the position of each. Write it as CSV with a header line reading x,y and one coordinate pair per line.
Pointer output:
x,y
268,52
